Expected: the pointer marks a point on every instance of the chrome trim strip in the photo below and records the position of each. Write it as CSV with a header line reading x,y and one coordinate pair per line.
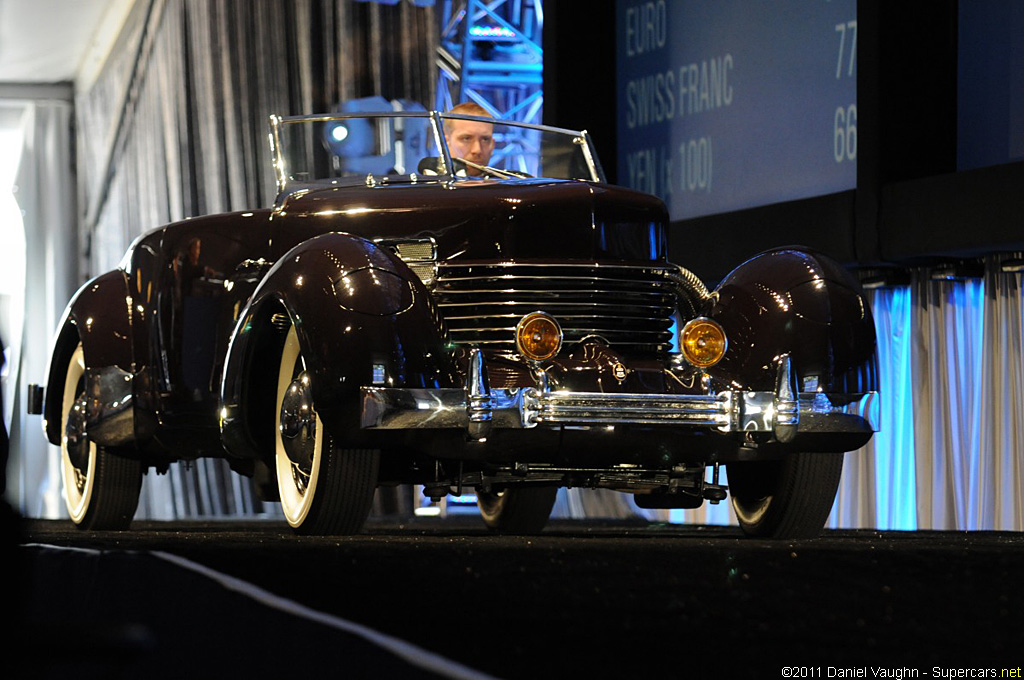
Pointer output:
x,y
573,330
510,123
601,408
394,408
576,329
516,316
610,290
631,287
505,343
653,266
553,303
580,305
327,117
408,408
616,337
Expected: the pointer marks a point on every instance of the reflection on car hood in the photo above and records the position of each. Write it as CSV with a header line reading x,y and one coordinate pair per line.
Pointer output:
x,y
491,219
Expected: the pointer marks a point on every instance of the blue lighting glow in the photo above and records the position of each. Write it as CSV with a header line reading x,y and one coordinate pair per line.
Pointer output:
x,y
895,480
491,32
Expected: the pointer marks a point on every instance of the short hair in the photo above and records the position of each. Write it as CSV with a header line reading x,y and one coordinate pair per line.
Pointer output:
x,y
465,109
470,109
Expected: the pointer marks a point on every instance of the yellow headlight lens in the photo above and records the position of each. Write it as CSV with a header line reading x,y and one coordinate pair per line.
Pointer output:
x,y
703,342
538,336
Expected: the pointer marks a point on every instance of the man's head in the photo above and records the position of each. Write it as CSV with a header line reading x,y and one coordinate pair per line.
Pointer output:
x,y
470,139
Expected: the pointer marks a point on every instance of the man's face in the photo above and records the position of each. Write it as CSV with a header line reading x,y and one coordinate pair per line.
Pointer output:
x,y
471,140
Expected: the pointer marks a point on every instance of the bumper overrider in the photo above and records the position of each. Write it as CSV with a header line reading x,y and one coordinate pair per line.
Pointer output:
x,y
479,410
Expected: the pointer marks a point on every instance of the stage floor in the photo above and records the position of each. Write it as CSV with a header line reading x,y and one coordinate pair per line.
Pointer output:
x,y
603,599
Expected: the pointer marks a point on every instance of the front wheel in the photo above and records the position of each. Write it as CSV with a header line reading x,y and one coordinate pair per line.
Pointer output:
x,y
324,489
101,488
517,510
788,498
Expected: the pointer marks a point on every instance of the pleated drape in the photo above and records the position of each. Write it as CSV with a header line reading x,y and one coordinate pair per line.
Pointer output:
x,y
997,470
951,450
176,126
46,197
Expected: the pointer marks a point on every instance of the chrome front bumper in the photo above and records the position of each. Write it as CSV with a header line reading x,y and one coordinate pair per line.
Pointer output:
x,y
479,410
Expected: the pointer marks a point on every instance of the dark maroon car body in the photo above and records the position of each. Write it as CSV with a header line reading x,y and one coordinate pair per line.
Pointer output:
x,y
190,328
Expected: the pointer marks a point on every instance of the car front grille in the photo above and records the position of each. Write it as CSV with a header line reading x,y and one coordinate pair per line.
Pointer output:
x,y
629,306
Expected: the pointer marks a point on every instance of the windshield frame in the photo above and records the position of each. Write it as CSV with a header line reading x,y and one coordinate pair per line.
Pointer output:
x,y
436,120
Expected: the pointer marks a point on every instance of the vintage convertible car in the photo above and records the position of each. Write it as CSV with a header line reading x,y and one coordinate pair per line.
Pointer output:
x,y
403,315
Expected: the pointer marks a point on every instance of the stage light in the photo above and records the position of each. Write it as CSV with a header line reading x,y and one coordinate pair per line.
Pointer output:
x,y
491,32
377,145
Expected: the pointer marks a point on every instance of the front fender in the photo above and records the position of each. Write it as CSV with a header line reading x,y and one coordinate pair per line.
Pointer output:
x,y
100,317
362,318
802,303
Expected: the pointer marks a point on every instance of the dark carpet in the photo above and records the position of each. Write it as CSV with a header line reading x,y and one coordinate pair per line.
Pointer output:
x,y
584,599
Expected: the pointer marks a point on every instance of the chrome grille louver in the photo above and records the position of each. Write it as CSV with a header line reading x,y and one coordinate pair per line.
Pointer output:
x,y
419,253
630,306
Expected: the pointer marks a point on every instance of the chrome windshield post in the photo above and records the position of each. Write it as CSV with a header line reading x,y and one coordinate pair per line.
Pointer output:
x,y
439,140
596,171
276,152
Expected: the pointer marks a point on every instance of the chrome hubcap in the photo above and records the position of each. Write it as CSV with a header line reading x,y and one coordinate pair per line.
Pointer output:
x,y
298,422
75,437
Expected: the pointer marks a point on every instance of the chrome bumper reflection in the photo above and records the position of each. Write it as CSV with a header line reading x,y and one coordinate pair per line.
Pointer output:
x,y
400,409
479,410
109,406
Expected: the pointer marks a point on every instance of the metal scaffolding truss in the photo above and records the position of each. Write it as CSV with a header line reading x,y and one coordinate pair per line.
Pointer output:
x,y
490,53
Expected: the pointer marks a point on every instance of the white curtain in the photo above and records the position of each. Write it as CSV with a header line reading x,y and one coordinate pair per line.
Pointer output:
x,y
997,467
46,196
949,455
969,424
12,267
